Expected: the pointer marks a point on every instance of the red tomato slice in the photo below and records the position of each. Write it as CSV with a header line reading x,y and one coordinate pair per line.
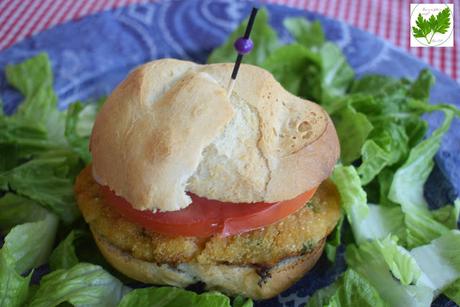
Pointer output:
x,y
205,217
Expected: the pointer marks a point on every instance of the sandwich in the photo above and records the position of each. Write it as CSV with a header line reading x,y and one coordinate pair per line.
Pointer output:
x,y
191,185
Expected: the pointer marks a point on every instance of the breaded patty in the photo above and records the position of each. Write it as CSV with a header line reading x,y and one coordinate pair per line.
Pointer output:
x,y
292,236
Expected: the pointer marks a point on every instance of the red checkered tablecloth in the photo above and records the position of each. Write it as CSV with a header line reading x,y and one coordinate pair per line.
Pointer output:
x,y
388,19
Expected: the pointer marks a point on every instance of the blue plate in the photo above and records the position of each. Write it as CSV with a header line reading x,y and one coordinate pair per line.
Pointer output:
x,y
92,55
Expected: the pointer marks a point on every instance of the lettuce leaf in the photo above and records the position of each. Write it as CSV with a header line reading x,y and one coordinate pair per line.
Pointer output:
x,y
15,209
350,290
26,246
82,285
421,227
408,181
41,147
387,145
391,270
334,240
21,242
337,74
407,188
420,88
439,261
448,215
453,292
14,288
241,301
352,197
20,140
172,297
402,265
48,180
353,129
382,221
264,37
393,107
368,221
63,256
300,74
372,84
384,180
78,125
309,34
34,79
316,71
310,67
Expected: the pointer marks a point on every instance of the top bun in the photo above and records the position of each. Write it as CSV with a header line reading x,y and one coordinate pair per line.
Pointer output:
x,y
169,128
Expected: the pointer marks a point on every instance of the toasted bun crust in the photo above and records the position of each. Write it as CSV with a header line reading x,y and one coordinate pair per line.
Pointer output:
x,y
170,128
230,279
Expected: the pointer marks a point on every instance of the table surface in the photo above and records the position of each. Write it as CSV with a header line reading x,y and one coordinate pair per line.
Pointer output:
x,y
388,19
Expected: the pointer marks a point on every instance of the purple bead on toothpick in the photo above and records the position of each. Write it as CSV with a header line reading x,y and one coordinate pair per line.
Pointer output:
x,y
243,45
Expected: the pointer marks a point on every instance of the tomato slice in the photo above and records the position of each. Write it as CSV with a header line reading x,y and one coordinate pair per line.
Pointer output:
x,y
205,217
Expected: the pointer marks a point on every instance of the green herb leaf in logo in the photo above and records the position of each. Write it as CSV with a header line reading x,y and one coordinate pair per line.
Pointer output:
x,y
443,21
435,24
424,27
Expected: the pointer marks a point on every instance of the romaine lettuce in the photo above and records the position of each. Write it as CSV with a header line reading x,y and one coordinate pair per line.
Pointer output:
x,y
391,270
82,285
173,297
26,246
350,290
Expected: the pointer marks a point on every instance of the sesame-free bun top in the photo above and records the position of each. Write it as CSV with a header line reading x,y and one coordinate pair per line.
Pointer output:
x,y
169,128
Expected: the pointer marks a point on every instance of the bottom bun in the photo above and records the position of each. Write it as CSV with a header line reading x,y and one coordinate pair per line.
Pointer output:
x,y
247,280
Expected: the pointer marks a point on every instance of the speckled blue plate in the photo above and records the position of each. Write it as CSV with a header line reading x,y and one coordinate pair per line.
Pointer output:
x,y
92,55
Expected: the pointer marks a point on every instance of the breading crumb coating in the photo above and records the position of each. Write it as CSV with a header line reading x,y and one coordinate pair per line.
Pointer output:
x,y
292,236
